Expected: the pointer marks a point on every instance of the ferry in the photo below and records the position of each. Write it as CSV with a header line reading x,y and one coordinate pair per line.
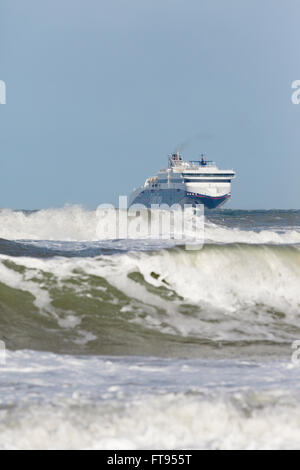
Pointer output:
x,y
194,182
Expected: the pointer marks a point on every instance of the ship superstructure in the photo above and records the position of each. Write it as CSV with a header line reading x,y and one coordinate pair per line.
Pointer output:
x,y
194,182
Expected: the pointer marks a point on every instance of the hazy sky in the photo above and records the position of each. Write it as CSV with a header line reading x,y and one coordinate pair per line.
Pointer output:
x,y
100,91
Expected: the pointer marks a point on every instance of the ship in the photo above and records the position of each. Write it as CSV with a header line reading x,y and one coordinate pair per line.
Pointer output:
x,y
186,183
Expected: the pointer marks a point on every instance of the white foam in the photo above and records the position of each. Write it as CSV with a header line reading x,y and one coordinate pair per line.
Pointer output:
x,y
70,223
64,402
167,422
74,223
219,234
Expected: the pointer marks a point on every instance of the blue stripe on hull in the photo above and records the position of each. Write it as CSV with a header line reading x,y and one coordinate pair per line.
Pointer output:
x,y
178,196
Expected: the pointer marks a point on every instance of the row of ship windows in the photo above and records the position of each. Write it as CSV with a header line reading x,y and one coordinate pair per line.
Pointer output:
x,y
195,180
217,175
203,175
206,181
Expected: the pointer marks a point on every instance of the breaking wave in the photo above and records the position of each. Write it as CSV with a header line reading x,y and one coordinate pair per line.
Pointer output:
x,y
74,223
141,342
147,403
154,301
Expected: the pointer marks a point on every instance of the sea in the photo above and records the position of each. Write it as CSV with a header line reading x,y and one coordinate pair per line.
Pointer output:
x,y
141,343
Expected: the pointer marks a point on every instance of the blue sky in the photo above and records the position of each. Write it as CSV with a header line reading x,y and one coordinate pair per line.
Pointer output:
x,y
99,92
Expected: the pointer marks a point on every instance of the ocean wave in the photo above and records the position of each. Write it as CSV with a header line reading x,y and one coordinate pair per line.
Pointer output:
x,y
215,233
148,302
74,223
167,422
67,402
